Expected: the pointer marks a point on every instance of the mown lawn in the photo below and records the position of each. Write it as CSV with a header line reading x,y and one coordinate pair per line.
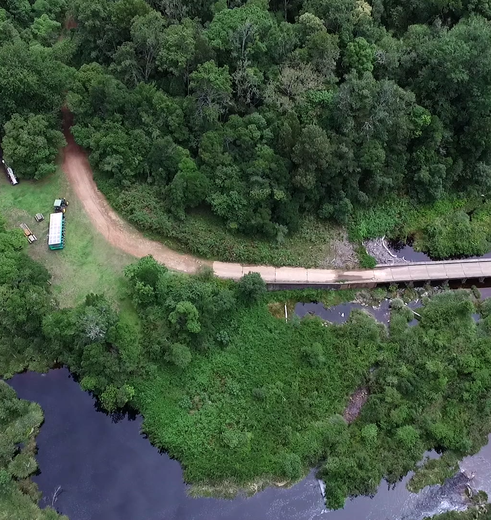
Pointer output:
x,y
88,263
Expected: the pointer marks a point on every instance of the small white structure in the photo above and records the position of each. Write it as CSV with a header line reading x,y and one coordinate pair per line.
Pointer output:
x,y
10,174
56,236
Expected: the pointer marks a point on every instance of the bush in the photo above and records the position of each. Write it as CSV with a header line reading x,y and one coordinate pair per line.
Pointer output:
x,y
259,393
454,235
366,261
114,398
292,466
397,304
314,355
180,355
5,482
23,465
251,287
369,434
434,471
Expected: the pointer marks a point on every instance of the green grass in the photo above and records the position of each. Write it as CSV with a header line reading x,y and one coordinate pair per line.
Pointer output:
x,y
88,263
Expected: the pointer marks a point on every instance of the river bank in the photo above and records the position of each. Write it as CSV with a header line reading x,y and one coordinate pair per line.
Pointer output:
x,y
97,466
103,467
106,469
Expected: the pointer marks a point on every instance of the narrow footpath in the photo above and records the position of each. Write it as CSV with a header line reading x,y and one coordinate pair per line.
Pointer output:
x,y
125,237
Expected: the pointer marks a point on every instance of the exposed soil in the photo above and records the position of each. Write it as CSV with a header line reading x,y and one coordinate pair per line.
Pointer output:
x,y
342,252
379,250
356,402
115,230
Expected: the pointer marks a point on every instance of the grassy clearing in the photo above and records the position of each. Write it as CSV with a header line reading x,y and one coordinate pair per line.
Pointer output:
x,y
88,263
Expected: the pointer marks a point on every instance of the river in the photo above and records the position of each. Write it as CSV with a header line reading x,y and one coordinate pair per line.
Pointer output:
x,y
407,252
108,471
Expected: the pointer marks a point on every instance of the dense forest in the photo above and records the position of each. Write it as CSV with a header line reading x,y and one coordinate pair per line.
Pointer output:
x,y
244,398
256,112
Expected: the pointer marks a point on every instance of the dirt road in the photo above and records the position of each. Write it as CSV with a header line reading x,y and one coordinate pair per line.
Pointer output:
x,y
120,234
116,231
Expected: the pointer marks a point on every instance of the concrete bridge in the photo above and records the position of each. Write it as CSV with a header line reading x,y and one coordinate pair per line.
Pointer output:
x,y
284,277
121,235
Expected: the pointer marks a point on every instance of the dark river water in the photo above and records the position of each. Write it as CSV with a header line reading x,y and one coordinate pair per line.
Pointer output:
x,y
108,471
407,252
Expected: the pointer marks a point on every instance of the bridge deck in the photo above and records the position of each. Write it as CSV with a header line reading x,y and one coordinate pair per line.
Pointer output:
x,y
410,272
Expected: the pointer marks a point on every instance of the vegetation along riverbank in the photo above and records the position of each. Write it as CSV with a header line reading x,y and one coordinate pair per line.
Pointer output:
x,y
239,395
19,425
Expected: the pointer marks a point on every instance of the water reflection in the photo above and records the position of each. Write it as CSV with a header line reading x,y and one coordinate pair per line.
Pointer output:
x,y
406,251
107,470
340,313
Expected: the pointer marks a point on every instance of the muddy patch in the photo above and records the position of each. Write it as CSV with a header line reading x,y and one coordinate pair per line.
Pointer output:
x,y
355,404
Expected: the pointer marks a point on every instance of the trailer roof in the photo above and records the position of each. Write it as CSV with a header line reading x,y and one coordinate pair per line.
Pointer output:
x,y
13,178
55,229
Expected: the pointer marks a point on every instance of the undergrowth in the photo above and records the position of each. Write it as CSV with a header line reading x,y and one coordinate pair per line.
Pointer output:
x,y
452,227
434,471
204,235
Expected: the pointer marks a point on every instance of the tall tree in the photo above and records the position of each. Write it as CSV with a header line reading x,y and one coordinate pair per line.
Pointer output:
x,y
31,145
212,87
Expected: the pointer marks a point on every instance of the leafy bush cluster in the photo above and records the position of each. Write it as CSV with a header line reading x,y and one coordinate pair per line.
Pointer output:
x,y
237,394
454,235
429,392
450,228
